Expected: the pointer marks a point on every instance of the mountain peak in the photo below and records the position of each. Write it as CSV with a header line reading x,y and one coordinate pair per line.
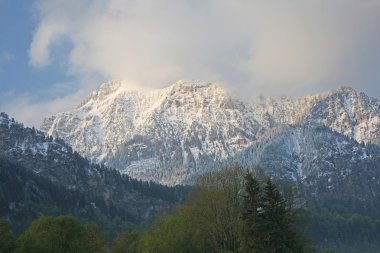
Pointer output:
x,y
345,89
112,86
112,89
198,90
190,83
194,85
122,85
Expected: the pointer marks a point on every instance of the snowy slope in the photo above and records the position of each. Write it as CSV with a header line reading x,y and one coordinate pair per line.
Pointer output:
x,y
169,135
323,163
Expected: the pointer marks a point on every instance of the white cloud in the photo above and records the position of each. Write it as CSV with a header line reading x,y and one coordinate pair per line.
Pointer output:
x,y
267,46
24,108
45,36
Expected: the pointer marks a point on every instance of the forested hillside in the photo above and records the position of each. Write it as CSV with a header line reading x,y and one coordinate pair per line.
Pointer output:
x,y
43,176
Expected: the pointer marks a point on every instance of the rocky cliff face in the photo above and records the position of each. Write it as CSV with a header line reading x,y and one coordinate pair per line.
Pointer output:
x,y
171,135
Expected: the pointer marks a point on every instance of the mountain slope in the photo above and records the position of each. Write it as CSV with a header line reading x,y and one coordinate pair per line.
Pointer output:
x,y
325,165
41,175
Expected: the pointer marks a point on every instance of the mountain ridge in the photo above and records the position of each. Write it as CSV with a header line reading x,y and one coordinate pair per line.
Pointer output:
x,y
168,134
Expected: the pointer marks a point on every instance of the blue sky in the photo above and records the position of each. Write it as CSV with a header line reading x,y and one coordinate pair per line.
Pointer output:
x,y
17,76
22,85
55,52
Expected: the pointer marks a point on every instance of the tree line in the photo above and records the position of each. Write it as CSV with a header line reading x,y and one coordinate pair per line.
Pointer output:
x,y
226,211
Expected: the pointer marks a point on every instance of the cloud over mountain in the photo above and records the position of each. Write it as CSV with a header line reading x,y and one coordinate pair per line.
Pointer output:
x,y
266,46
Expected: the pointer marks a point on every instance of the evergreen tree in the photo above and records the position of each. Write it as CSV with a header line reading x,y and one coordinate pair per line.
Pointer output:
x,y
250,234
277,231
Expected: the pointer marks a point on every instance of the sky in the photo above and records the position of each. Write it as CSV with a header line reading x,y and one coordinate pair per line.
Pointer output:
x,y
53,53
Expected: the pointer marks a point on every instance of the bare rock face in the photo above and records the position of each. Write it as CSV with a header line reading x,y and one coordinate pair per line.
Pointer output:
x,y
173,134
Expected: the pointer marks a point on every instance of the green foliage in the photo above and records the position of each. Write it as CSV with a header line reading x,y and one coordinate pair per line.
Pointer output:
x,y
172,234
7,239
216,218
60,235
268,223
126,243
94,238
215,205
224,212
208,222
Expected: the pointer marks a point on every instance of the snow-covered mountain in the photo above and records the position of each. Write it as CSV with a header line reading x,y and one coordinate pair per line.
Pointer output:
x,y
181,126
344,110
170,135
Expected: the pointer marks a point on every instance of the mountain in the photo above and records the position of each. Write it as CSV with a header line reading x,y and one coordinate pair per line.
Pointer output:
x,y
173,134
144,134
343,110
41,175
325,165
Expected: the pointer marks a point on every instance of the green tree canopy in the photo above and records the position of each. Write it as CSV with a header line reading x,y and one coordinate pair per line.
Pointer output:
x,y
208,222
127,242
60,235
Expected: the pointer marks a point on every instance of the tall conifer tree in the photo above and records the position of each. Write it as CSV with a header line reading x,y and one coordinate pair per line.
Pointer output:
x,y
250,215
278,234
